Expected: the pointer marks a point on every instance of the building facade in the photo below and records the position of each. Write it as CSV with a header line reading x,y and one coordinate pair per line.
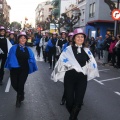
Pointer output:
x,y
43,10
5,10
65,4
82,8
98,19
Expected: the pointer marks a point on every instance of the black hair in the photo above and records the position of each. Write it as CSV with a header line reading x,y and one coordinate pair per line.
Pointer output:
x,y
73,42
19,38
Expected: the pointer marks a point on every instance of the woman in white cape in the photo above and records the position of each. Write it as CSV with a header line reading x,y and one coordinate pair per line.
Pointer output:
x,y
75,67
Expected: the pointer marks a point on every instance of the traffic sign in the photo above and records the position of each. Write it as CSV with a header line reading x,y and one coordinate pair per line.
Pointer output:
x,y
116,14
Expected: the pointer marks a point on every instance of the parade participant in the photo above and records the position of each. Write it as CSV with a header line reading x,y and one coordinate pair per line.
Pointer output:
x,y
7,33
16,34
60,43
5,45
12,37
70,35
75,66
20,62
43,44
51,49
38,37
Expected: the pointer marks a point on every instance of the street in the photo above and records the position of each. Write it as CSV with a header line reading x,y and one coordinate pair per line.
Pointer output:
x,y
43,96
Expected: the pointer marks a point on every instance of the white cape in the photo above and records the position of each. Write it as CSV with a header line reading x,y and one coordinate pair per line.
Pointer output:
x,y
67,61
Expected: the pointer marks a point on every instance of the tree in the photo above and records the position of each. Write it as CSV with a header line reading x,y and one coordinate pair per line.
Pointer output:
x,y
3,21
15,25
111,4
64,21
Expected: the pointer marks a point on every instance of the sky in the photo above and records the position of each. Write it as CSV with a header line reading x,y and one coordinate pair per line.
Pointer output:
x,y
23,8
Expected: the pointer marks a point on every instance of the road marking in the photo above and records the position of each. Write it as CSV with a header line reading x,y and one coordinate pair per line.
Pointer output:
x,y
118,93
38,58
104,70
98,81
110,79
8,86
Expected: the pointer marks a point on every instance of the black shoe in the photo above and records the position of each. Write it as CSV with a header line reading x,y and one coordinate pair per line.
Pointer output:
x,y
62,102
22,97
18,101
1,83
74,113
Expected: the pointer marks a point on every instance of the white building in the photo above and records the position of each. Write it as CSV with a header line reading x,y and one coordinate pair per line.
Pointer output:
x,y
65,4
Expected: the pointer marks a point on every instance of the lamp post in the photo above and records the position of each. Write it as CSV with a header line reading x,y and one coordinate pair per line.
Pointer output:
x,y
116,22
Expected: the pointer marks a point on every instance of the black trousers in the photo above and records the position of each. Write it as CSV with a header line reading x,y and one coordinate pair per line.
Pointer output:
x,y
51,55
18,78
75,87
3,60
118,58
38,49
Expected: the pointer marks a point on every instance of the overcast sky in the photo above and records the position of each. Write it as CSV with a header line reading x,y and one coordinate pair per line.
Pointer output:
x,y
23,8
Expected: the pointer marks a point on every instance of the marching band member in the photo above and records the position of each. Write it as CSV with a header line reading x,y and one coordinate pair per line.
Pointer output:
x,y
70,35
7,33
20,62
60,43
12,37
75,66
51,48
5,46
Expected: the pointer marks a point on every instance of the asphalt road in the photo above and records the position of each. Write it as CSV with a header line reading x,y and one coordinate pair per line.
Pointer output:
x,y
42,97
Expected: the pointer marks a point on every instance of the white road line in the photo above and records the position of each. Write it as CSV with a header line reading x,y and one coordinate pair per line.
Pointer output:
x,y
98,81
110,79
8,86
118,93
104,70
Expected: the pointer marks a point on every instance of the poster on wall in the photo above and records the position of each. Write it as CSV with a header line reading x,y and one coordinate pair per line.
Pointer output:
x,y
93,34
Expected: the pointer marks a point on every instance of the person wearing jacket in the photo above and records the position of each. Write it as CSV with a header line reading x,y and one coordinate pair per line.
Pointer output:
x,y
105,47
5,45
99,47
7,33
51,49
79,62
61,42
117,50
92,45
12,38
43,44
38,37
112,51
20,62
70,35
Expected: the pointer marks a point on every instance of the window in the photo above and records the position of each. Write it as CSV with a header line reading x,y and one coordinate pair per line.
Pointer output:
x,y
0,6
92,10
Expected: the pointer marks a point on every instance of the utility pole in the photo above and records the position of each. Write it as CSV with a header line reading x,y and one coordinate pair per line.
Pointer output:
x,y
116,22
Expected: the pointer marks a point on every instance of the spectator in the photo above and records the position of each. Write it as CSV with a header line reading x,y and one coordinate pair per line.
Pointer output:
x,y
92,45
117,48
112,50
99,47
105,46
